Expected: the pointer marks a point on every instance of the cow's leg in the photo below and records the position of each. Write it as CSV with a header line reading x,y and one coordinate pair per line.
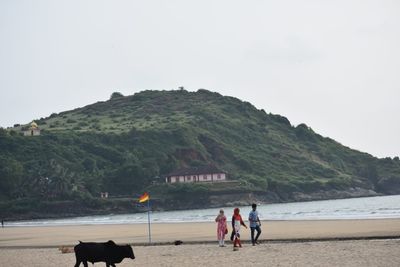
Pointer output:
x,y
85,264
107,264
78,262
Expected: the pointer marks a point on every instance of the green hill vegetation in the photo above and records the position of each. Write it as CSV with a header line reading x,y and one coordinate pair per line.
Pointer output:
x,y
127,144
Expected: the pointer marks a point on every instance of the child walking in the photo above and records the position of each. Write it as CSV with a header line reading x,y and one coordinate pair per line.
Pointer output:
x,y
222,228
237,221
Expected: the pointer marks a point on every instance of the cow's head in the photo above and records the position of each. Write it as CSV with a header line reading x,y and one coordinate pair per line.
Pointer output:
x,y
129,252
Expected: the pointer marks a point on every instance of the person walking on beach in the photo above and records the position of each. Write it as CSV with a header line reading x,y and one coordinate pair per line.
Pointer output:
x,y
236,223
222,228
254,224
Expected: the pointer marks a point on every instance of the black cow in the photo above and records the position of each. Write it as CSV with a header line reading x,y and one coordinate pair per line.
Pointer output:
x,y
109,252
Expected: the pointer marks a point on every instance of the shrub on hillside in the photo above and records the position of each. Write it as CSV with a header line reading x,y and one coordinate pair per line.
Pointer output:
x,y
116,95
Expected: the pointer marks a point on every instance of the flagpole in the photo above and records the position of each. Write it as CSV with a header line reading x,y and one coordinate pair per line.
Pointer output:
x,y
148,217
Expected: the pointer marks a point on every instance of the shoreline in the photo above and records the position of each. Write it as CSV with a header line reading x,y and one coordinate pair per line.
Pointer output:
x,y
19,218
202,232
205,222
192,222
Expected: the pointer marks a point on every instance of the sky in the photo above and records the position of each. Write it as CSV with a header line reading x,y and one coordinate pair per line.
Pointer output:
x,y
333,65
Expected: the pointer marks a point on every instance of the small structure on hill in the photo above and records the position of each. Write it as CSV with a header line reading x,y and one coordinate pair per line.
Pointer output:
x,y
196,175
33,130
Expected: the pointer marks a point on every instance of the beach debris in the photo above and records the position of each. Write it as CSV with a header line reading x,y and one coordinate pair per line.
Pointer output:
x,y
178,242
66,249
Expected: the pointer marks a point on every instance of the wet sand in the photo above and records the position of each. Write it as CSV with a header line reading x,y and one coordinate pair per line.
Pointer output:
x,y
190,232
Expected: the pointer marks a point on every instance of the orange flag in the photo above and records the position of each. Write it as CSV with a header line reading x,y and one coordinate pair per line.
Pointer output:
x,y
143,198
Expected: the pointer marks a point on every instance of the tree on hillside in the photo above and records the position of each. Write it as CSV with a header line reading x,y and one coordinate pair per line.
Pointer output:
x,y
10,175
116,95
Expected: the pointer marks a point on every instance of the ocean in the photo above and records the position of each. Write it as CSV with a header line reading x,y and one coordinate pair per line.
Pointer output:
x,y
342,209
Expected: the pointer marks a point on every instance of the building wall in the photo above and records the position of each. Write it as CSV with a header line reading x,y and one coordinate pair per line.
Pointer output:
x,y
191,178
205,178
216,177
220,177
31,132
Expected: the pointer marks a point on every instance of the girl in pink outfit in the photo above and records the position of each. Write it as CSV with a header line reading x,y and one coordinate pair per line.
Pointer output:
x,y
222,228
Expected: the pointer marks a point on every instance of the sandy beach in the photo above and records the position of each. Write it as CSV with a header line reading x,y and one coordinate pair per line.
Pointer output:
x,y
284,243
330,253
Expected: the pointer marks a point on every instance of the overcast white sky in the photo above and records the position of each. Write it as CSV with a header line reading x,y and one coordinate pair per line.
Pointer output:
x,y
333,65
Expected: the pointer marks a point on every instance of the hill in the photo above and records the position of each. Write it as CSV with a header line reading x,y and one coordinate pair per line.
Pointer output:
x,y
127,144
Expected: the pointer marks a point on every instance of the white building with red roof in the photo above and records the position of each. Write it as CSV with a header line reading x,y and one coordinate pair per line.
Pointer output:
x,y
206,174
